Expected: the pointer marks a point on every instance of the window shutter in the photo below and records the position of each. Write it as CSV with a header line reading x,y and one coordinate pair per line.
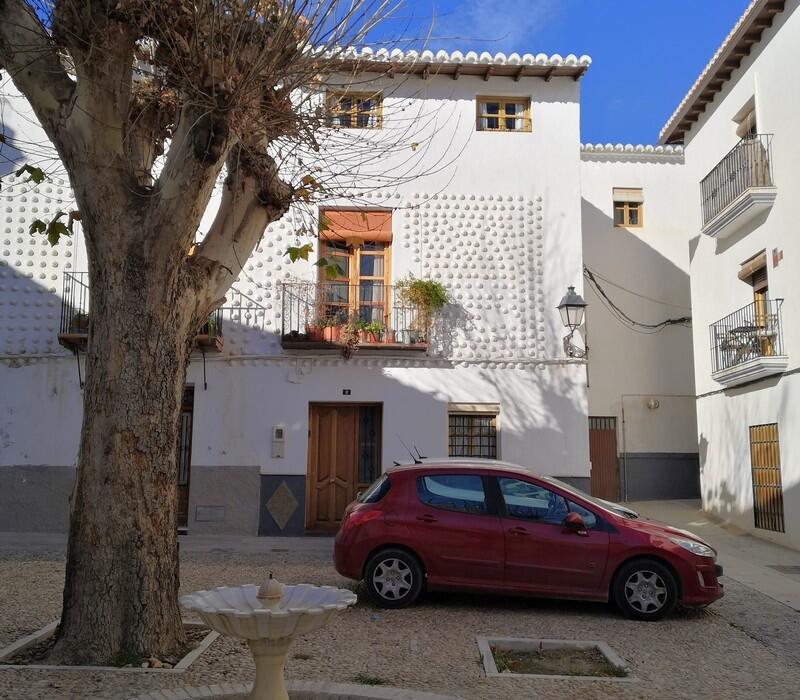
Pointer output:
x,y
755,265
628,194
362,225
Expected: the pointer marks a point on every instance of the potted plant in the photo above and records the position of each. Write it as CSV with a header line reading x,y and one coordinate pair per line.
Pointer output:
x,y
331,329
349,337
79,323
313,327
425,297
371,332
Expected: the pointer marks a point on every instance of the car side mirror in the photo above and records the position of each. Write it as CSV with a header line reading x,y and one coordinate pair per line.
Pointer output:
x,y
575,522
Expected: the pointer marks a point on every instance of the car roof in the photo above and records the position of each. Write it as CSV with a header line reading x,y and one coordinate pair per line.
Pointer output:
x,y
467,463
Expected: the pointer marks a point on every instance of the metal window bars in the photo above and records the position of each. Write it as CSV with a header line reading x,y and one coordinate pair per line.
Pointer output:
x,y
751,332
748,164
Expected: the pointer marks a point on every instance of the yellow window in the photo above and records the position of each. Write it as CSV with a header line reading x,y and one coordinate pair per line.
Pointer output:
x,y
504,114
355,110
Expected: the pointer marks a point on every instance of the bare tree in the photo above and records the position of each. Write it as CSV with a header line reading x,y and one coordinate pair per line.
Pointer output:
x,y
147,103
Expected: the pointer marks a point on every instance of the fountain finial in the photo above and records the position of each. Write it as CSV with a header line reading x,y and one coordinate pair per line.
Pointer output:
x,y
270,593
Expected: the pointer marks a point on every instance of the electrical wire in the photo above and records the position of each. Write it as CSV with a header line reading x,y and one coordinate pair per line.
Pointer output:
x,y
625,319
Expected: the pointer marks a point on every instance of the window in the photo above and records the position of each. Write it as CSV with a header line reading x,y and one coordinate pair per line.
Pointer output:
x,y
754,272
355,110
628,206
765,463
376,491
461,492
532,502
504,114
473,430
360,243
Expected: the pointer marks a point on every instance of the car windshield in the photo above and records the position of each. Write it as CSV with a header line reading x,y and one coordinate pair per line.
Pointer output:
x,y
599,502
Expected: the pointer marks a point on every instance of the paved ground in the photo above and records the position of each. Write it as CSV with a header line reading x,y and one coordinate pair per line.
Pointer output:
x,y
747,645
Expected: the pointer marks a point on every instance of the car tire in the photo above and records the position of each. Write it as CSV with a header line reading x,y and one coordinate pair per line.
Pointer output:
x,y
645,589
394,578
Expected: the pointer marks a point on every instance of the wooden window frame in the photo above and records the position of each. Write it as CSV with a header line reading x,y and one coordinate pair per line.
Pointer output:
x,y
626,214
493,414
333,109
501,116
354,253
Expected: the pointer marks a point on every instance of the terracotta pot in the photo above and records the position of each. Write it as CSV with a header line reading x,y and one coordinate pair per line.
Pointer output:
x,y
331,334
369,338
314,333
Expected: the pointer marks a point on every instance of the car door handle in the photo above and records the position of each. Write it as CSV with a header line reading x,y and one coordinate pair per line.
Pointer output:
x,y
517,531
426,518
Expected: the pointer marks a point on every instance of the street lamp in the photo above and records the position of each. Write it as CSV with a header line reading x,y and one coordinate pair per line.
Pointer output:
x,y
572,308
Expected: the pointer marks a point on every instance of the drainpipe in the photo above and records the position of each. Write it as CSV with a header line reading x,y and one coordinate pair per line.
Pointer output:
x,y
624,452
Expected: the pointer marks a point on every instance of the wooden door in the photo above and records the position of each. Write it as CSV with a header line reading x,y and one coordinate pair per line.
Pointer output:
x,y
184,455
343,457
603,456
765,464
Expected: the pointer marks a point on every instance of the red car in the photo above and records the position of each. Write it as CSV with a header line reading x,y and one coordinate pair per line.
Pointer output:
x,y
491,526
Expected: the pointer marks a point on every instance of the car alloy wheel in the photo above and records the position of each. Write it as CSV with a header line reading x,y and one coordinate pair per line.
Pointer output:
x,y
392,579
646,592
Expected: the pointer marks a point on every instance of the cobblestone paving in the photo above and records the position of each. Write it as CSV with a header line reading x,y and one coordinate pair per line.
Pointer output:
x,y
744,646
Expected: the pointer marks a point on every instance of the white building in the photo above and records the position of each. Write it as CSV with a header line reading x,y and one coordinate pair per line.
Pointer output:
x,y
738,123
280,431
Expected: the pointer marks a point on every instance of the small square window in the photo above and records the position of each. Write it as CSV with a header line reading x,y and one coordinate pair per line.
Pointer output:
x,y
354,110
628,207
503,114
473,435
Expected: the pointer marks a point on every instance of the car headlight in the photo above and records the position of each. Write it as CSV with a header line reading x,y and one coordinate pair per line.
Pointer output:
x,y
698,548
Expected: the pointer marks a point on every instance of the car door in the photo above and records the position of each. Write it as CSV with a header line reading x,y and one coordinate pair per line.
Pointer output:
x,y
456,530
542,555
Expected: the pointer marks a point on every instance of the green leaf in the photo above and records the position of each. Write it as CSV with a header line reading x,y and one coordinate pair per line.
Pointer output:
x,y
55,230
330,267
35,174
324,223
302,252
37,226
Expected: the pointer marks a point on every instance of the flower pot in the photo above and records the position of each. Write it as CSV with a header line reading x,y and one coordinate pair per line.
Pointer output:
x,y
369,337
331,334
314,334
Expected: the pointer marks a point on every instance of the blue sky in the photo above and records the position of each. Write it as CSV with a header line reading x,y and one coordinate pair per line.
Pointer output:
x,y
645,53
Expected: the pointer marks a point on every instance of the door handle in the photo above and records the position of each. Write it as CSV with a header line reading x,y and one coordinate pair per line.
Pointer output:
x,y
517,531
426,518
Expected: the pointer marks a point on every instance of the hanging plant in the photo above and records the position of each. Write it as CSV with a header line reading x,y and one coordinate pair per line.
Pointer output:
x,y
349,338
427,296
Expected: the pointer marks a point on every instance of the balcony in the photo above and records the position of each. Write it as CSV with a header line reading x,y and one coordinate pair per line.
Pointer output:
x,y
748,344
341,316
73,332
739,188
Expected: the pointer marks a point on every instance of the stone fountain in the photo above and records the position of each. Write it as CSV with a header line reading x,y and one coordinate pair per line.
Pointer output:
x,y
268,618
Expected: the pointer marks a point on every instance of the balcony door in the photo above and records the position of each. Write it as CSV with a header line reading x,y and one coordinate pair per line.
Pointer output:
x,y
344,447
359,242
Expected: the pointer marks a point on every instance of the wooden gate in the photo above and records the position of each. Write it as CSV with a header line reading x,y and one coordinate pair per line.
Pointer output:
x,y
603,456
765,464
343,458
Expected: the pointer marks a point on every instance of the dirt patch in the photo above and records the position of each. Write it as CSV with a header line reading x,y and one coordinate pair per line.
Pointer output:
x,y
556,662
37,653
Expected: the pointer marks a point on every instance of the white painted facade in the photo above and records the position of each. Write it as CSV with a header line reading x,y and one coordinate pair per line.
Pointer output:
x,y
641,377
725,413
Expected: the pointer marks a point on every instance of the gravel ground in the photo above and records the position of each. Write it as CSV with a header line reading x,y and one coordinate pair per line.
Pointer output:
x,y
744,646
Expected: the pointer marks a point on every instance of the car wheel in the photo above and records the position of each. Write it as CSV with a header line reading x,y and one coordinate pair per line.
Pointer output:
x,y
645,589
394,578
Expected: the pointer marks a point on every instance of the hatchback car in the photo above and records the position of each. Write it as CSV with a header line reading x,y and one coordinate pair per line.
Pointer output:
x,y
493,526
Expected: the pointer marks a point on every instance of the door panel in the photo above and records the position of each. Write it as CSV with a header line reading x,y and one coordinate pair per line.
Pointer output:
x,y
541,555
459,548
185,455
334,451
603,456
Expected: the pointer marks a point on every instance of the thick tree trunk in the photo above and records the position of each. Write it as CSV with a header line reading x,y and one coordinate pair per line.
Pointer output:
x,y
120,595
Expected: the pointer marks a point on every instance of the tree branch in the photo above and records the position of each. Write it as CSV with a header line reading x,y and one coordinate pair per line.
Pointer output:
x,y
32,60
254,197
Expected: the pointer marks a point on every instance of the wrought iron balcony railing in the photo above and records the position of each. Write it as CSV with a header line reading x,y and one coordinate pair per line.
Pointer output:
x,y
73,329
752,332
321,314
748,164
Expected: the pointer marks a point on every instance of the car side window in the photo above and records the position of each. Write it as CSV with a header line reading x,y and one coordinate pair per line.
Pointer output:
x,y
589,518
459,492
524,499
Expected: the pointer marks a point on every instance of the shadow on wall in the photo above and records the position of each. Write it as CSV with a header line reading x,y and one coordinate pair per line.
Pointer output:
x,y
726,467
